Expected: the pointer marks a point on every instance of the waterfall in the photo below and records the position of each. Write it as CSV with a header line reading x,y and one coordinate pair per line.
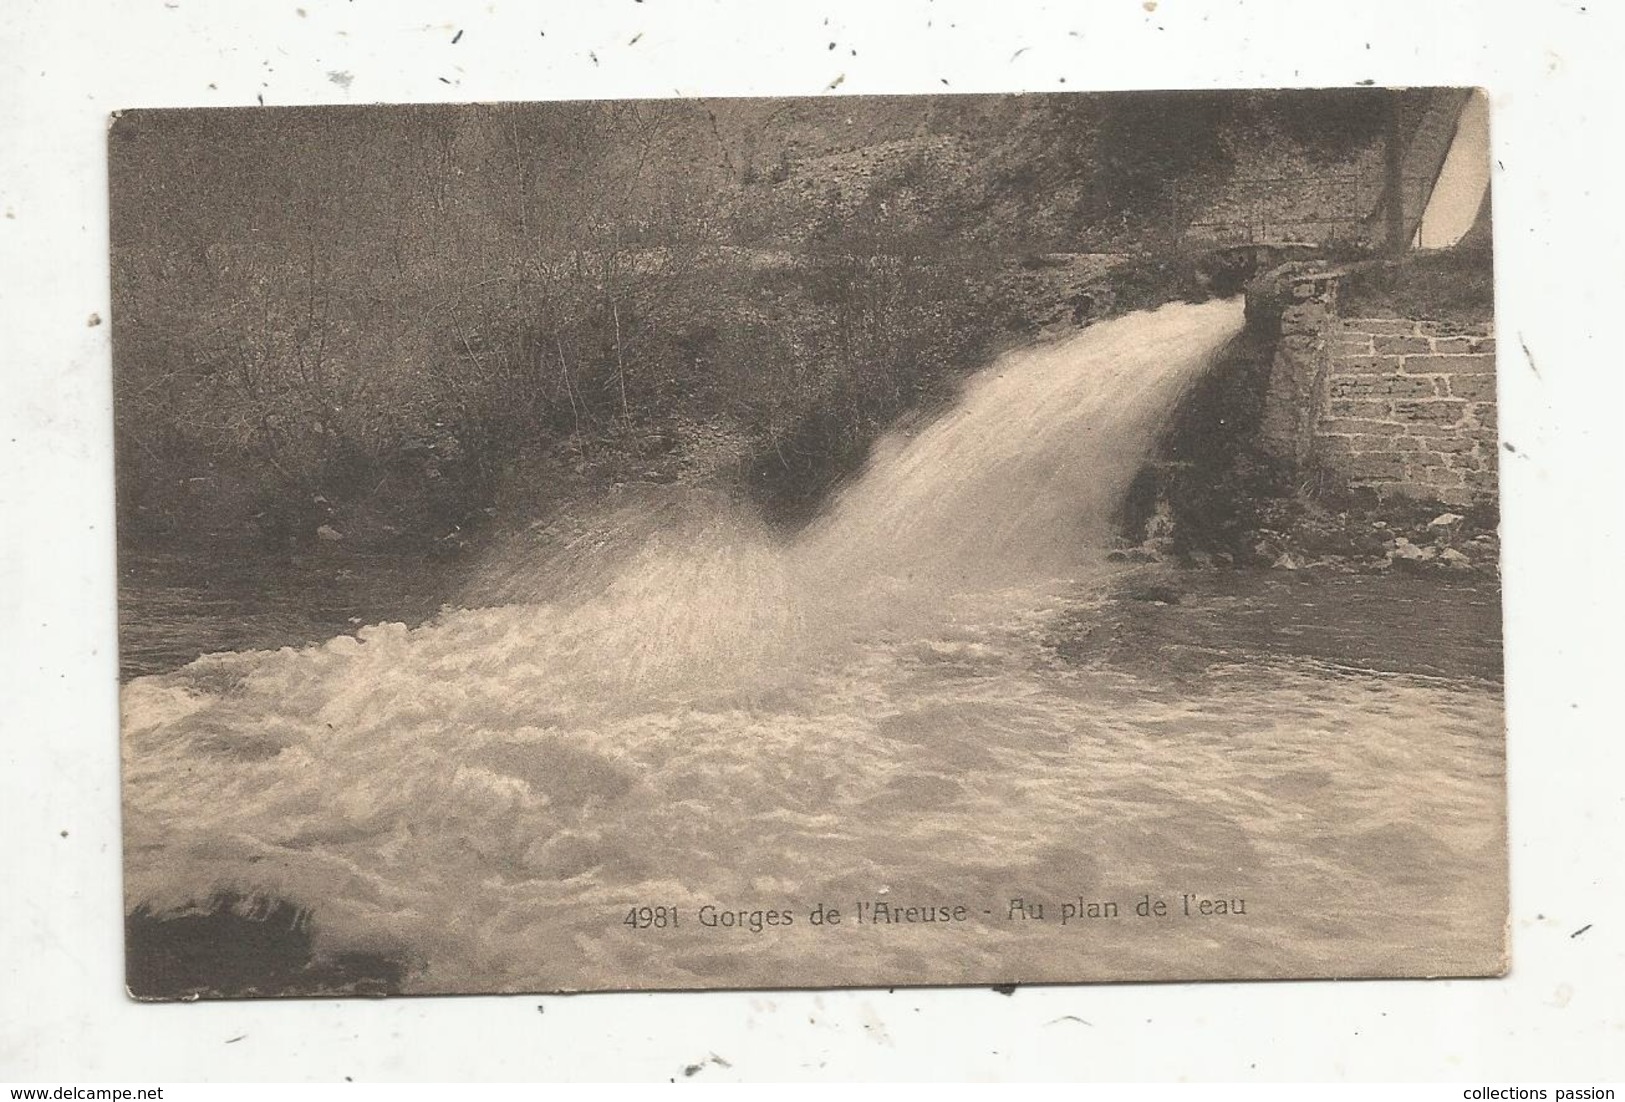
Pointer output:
x,y
447,793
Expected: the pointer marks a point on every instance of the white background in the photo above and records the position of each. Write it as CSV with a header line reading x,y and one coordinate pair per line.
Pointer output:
x,y
1553,70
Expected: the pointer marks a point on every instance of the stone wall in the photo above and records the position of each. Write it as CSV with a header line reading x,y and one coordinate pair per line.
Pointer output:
x,y
1409,406
1399,405
1302,301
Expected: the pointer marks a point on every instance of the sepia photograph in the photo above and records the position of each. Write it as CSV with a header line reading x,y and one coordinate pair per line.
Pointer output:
x,y
813,542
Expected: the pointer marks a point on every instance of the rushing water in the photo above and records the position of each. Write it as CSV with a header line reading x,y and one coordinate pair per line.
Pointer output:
x,y
931,697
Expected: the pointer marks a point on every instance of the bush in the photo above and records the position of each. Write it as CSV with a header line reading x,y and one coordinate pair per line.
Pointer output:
x,y
1445,285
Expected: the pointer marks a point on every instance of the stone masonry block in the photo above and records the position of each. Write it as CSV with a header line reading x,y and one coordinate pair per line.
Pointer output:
x,y
1452,444
1385,326
1475,388
1367,410
1453,344
1402,344
1398,386
1299,344
1439,411
1303,315
1367,365
1442,476
1475,364
1454,328
1427,430
1345,442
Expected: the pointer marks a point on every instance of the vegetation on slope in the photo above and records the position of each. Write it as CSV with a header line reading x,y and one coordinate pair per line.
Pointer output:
x,y
384,325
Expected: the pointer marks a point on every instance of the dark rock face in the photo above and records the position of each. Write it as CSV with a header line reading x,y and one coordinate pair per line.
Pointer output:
x,y
234,947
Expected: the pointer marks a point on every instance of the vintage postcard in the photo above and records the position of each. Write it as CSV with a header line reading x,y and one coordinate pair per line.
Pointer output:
x,y
808,542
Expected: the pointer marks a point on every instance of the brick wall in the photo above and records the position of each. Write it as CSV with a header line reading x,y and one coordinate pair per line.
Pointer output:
x,y
1408,407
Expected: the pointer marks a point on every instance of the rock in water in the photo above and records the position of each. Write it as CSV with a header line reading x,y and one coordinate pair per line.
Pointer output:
x,y
329,533
1455,559
1153,594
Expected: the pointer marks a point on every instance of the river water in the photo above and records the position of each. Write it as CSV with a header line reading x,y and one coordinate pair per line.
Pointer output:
x,y
939,696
